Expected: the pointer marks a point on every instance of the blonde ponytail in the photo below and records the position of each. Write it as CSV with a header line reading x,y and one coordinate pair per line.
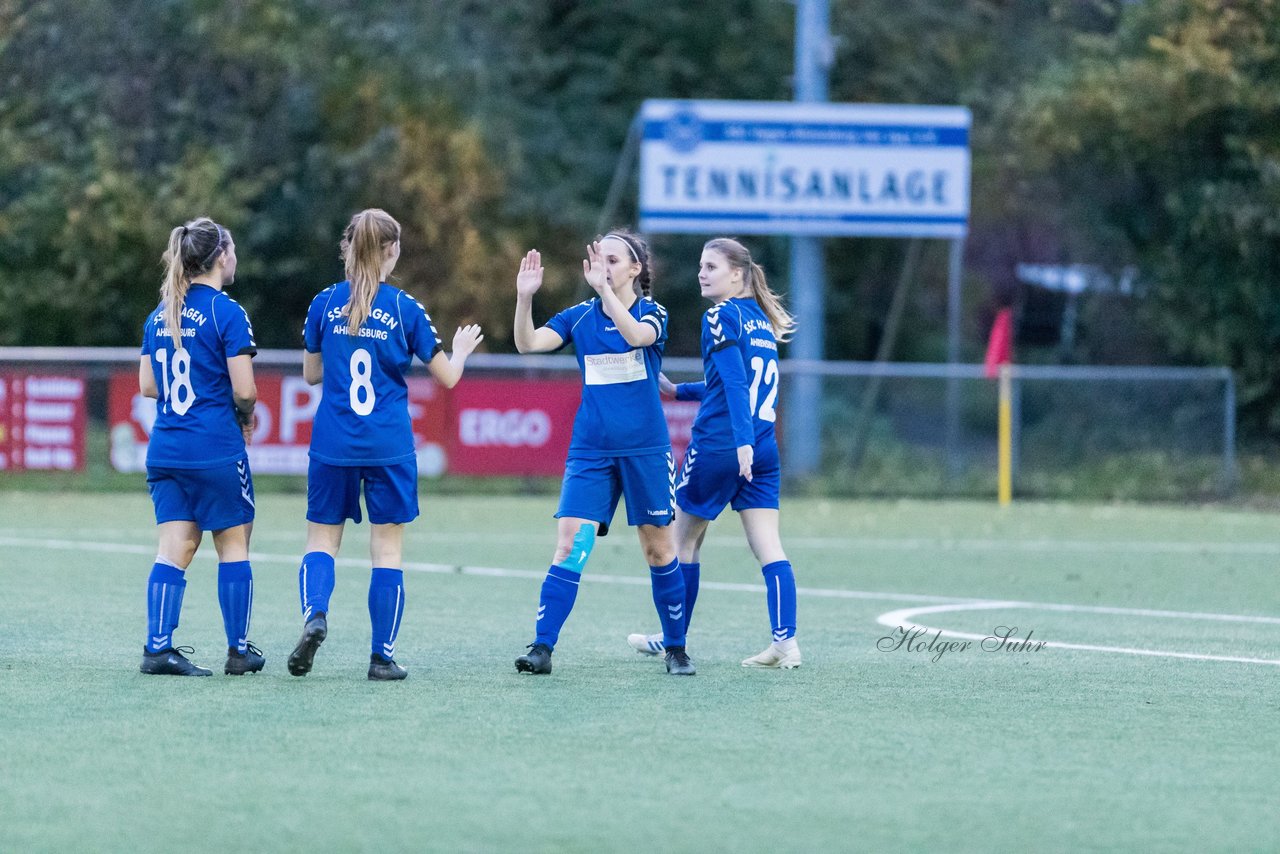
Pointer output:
x,y
173,289
193,249
364,243
770,303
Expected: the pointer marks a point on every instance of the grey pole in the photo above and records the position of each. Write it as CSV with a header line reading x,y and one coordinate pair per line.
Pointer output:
x,y
1230,475
954,265
803,433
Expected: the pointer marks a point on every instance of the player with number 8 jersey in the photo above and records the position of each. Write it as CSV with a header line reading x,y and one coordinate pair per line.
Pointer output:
x,y
361,336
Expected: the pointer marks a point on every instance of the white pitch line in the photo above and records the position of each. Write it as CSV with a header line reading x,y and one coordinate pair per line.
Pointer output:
x,y
891,619
1261,548
904,618
489,571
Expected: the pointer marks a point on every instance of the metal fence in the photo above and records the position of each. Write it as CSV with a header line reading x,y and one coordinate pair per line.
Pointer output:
x,y
1104,432
911,429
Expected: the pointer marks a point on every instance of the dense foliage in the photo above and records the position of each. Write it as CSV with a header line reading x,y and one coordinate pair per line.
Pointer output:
x,y
1112,133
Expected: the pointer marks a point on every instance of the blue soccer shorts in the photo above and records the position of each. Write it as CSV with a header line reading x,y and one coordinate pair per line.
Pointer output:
x,y
592,487
390,493
214,498
709,480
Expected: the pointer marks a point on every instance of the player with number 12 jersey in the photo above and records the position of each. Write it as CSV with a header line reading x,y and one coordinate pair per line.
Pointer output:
x,y
733,451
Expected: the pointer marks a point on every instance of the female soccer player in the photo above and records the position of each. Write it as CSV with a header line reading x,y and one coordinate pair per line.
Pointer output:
x,y
361,336
733,452
199,343
620,445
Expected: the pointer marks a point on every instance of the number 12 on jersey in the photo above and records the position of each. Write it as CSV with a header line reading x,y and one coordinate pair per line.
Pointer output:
x,y
765,373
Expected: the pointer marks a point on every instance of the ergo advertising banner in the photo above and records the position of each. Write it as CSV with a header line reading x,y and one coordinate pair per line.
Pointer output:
x,y
480,427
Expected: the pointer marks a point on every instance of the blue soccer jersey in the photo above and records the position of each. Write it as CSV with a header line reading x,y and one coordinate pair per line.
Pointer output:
x,y
196,425
363,418
621,412
740,362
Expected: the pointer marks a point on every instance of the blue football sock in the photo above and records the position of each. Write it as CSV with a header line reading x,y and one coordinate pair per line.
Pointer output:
x,y
315,583
691,571
559,590
780,584
386,607
668,598
235,596
164,604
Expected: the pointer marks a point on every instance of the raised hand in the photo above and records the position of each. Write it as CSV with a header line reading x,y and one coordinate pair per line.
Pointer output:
x,y
593,269
529,278
467,338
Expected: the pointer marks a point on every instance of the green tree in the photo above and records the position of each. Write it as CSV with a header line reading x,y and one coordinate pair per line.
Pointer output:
x,y
1163,142
280,119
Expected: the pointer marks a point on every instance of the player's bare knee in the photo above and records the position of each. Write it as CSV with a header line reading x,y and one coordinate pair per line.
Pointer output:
x,y
232,544
659,555
564,548
767,556
561,554
575,555
179,556
178,549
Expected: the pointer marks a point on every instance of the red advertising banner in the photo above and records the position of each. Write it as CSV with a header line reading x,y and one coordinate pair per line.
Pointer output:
x,y
512,427
481,427
286,408
42,421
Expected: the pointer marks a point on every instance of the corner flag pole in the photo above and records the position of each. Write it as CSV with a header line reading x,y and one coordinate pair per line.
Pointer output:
x,y
1004,474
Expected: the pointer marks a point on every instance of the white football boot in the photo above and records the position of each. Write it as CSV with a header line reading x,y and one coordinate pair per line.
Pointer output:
x,y
783,655
647,644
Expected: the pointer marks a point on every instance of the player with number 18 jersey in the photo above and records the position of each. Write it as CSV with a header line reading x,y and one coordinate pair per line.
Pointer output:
x,y
195,425
196,363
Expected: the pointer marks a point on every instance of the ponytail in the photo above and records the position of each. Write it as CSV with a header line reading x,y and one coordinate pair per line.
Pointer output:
x,y
364,242
193,250
782,321
753,277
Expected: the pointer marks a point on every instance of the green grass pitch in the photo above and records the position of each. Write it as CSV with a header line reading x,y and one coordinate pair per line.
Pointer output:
x,y
1064,748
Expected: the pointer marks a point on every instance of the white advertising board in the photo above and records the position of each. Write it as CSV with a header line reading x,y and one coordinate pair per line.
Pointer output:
x,y
764,167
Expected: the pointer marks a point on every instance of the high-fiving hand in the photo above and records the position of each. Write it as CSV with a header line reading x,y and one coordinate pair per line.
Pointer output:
x,y
529,278
593,269
467,338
